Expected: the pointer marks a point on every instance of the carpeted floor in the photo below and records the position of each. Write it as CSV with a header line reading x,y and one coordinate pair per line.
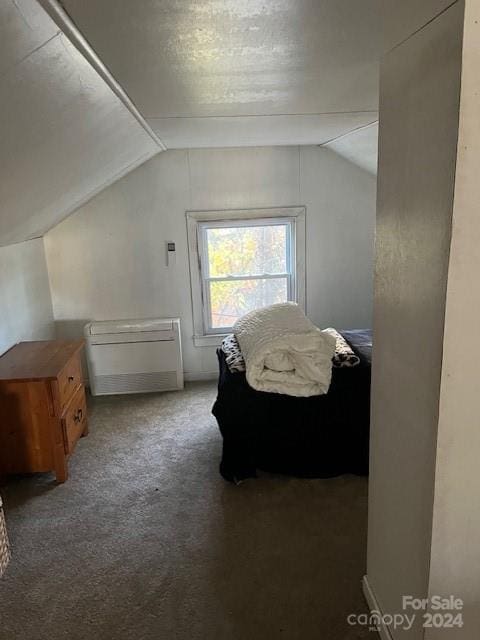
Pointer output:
x,y
146,541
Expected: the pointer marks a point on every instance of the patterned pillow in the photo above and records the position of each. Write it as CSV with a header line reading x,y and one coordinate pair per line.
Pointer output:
x,y
344,354
233,355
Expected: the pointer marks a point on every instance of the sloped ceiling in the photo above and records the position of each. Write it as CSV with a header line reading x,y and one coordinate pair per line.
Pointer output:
x,y
359,147
214,73
64,134
240,72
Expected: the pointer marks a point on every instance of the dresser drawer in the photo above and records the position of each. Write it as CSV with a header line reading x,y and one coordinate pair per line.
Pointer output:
x,y
69,380
74,420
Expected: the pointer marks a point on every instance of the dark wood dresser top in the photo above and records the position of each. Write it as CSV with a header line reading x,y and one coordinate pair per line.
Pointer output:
x,y
42,360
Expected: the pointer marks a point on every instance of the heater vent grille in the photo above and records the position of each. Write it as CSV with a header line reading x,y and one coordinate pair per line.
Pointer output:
x,y
136,382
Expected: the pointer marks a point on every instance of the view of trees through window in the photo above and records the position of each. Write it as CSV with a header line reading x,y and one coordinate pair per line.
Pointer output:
x,y
248,268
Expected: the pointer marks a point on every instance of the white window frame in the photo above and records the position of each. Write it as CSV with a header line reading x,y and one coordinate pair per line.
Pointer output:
x,y
199,221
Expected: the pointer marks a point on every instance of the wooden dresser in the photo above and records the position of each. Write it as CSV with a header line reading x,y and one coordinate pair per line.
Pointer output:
x,y
43,408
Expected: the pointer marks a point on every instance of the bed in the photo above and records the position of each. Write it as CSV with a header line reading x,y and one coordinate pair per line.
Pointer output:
x,y
315,437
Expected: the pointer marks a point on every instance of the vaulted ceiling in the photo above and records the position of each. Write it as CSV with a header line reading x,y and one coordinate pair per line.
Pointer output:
x,y
240,72
87,95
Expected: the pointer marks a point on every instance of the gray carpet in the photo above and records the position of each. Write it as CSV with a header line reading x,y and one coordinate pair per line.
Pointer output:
x,y
146,541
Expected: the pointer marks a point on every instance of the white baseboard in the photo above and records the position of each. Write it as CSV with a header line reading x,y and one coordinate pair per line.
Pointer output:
x,y
383,630
200,376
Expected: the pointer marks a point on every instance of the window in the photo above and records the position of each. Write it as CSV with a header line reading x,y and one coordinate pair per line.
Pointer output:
x,y
242,261
245,265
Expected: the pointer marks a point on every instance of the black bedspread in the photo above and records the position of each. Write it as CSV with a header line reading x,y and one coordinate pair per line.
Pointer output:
x,y
315,437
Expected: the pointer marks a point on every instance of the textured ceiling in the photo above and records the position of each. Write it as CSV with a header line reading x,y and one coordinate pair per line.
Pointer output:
x,y
359,147
203,72
64,134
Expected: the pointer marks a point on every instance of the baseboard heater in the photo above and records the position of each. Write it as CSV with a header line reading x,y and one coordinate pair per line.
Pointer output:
x,y
134,356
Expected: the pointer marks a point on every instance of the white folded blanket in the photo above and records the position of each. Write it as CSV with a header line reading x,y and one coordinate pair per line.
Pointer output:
x,y
284,352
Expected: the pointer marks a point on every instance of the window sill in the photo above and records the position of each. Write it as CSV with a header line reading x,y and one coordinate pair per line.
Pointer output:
x,y
214,340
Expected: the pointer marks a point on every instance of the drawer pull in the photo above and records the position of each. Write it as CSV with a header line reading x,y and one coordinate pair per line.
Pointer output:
x,y
71,378
78,416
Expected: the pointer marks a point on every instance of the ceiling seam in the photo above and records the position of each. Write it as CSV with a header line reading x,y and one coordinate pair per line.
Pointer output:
x,y
13,244
348,133
399,44
264,115
31,53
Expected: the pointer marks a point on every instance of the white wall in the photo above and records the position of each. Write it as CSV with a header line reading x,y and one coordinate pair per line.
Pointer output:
x,y
341,203
419,112
455,557
108,259
401,19
25,303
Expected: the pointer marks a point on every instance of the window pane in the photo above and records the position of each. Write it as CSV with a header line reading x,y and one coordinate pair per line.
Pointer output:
x,y
242,251
232,299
